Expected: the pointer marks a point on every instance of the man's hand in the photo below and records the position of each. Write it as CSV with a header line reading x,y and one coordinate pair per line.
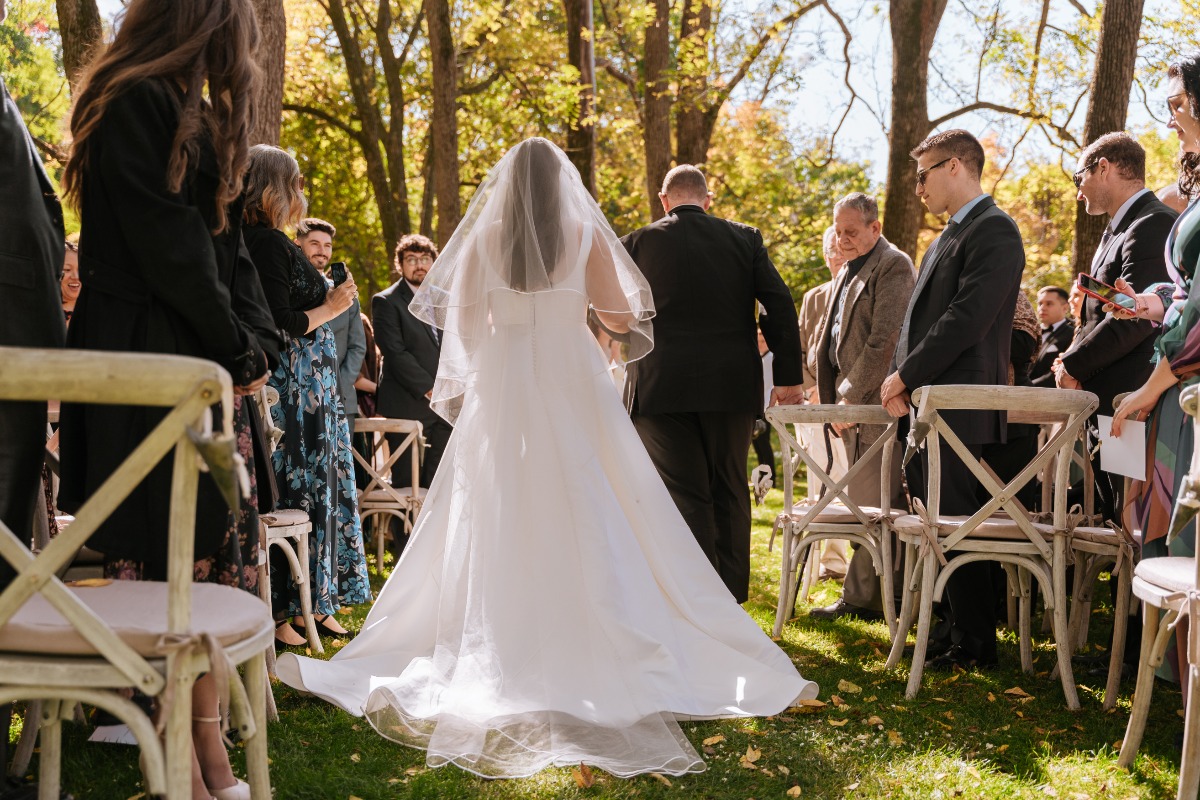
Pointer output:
x,y
892,387
841,427
787,395
898,405
811,396
1063,379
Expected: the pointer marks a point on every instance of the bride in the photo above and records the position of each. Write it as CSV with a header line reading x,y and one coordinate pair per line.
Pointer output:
x,y
552,606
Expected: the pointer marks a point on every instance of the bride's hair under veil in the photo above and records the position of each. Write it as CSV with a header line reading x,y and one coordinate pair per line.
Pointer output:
x,y
525,230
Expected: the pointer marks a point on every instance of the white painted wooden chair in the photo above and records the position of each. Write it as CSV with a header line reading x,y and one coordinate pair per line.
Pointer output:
x,y
1001,530
833,515
379,498
288,529
64,645
1169,589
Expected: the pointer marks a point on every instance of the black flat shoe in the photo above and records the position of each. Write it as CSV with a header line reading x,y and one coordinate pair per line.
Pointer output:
x,y
958,656
843,609
281,644
322,628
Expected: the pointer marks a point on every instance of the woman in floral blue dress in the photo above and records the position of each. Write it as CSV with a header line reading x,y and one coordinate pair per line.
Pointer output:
x,y
313,463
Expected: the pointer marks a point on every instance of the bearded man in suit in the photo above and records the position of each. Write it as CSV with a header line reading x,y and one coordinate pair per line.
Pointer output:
x,y
411,350
854,354
694,398
957,330
1112,356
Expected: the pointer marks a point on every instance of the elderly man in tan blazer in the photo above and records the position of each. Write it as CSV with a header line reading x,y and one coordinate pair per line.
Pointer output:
x,y
835,556
853,356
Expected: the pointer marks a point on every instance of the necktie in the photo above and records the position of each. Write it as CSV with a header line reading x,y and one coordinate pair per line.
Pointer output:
x,y
927,266
1105,238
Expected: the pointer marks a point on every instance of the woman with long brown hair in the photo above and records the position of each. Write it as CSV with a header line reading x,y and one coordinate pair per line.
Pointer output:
x,y
160,143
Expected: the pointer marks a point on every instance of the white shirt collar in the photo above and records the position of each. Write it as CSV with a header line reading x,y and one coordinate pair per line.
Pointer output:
x,y
961,214
1115,222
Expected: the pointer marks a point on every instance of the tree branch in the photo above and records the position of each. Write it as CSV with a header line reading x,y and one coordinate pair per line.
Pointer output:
x,y
56,152
983,105
325,116
476,88
757,48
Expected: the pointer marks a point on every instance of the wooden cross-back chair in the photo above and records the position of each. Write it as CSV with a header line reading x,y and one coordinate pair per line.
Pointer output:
x,y
1169,588
832,515
379,498
1001,529
64,645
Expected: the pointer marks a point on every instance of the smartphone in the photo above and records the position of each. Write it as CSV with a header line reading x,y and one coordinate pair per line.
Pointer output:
x,y
337,271
1103,292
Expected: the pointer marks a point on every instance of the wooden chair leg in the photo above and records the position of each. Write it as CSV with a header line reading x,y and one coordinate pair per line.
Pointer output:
x,y
179,739
50,759
1062,632
1011,596
301,566
28,740
1189,770
887,584
924,625
258,689
786,577
1152,635
907,597
810,571
1024,619
1116,656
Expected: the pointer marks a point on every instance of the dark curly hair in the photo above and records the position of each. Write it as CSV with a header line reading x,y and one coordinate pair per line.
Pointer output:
x,y
1187,70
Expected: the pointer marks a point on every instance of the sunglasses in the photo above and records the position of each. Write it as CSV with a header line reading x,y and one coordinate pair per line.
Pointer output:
x,y
1078,176
922,174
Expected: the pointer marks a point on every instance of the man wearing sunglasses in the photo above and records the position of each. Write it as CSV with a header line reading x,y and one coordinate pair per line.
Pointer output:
x,y
1111,356
957,330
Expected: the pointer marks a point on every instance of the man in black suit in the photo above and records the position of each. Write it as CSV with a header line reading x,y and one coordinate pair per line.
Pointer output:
x,y
410,350
31,260
1112,356
1057,332
957,330
694,397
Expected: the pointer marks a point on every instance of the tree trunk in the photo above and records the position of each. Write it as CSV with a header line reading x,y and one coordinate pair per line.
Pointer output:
x,y
444,124
81,30
1108,105
581,136
427,191
272,29
914,24
656,105
693,130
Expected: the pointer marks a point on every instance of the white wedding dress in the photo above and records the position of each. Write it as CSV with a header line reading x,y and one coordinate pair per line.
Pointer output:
x,y
551,606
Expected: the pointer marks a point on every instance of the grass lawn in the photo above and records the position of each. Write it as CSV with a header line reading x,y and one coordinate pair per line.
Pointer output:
x,y
963,736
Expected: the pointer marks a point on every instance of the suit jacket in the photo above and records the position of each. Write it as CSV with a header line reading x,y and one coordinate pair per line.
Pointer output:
x,y
1111,356
351,345
812,311
1059,341
31,250
705,274
410,356
872,313
962,315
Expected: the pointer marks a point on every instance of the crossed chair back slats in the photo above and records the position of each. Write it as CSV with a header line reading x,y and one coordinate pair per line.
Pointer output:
x,y
413,442
189,387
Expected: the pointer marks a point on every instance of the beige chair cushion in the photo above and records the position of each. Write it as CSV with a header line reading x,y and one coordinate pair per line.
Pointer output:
x,y
137,613
1173,573
285,516
385,496
836,514
1002,528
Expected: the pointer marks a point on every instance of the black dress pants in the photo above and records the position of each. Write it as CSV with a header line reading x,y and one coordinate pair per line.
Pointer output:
x,y
701,457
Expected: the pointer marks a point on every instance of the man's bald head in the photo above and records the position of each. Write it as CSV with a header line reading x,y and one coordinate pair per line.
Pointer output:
x,y
685,185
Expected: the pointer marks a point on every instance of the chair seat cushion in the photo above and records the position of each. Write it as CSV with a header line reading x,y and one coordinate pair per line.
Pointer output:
x,y
1002,528
285,516
385,496
1173,573
137,613
837,513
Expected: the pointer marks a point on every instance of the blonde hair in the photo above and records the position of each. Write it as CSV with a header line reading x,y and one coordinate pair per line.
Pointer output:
x,y
273,192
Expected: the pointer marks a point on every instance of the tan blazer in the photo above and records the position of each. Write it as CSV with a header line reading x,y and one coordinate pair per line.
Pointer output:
x,y
872,314
812,312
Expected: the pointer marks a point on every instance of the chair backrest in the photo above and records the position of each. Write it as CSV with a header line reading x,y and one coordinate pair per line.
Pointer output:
x,y
793,454
187,386
1067,409
413,442
1189,491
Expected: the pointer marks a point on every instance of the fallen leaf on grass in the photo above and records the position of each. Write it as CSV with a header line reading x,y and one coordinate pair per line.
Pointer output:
x,y
583,776
353,797
951,679
870,699
714,739
139,795
658,776
346,610
991,697
795,791
852,787
873,720
708,751
895,738
355,757
767,772
393,781
847,686
1049,791
837,723
749,757
1001,748
808,706
413,771
783,770
1017,691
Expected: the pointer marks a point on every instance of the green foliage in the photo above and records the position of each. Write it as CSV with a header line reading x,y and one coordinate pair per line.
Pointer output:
x,y
31,63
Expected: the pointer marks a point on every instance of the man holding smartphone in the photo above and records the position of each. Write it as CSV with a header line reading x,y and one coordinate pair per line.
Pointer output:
x,y
1111,356
315,237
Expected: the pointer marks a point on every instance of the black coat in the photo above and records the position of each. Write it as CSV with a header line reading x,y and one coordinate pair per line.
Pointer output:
x,y
1059,341
410,356
155,280
961,325
1111,356
31,249
705,274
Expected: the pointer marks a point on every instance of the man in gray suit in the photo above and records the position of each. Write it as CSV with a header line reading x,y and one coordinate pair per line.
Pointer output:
x,y
315,238
853,356
31,260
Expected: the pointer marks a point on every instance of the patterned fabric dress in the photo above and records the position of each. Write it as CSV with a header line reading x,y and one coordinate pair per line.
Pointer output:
x,y
1169,434
315,470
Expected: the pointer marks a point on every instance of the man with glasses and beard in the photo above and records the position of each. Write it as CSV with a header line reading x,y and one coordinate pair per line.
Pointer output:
x,y
410,349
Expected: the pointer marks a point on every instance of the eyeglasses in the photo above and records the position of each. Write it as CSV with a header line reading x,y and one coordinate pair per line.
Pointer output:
x,y
418,261
1078,176
922,174
1172,109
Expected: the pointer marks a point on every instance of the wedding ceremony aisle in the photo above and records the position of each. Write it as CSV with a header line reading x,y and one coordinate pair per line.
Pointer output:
x,y
993,734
